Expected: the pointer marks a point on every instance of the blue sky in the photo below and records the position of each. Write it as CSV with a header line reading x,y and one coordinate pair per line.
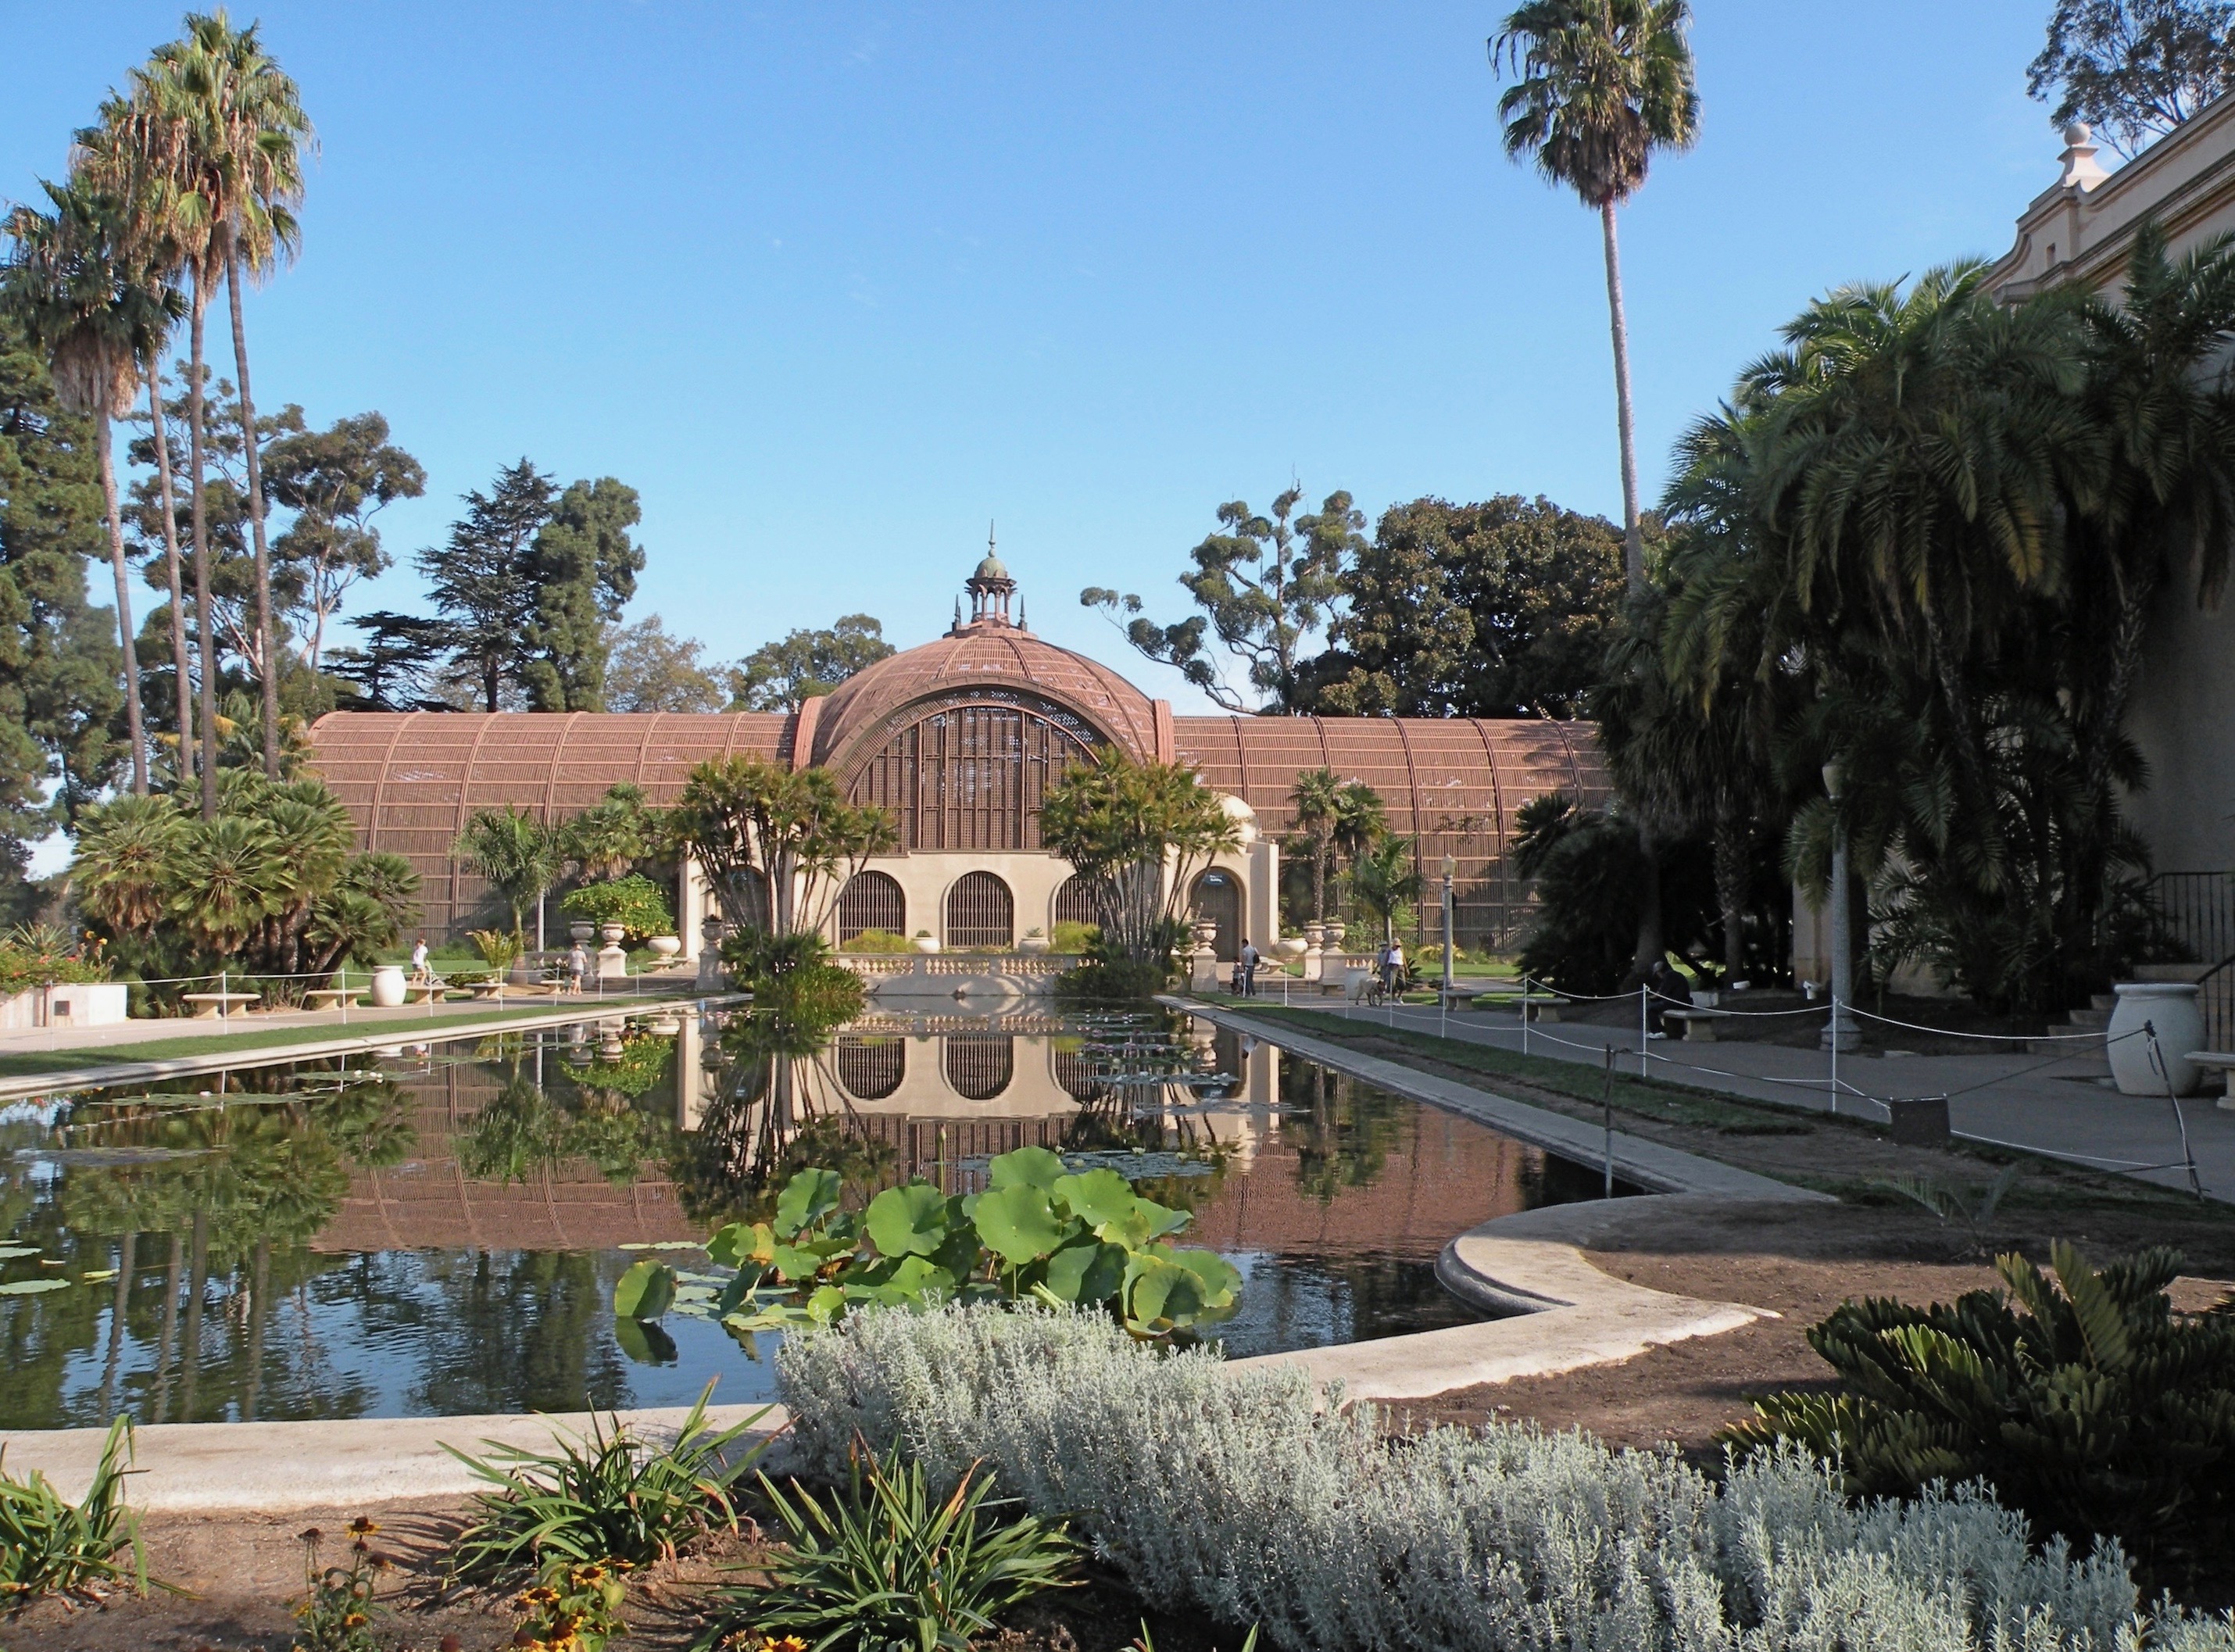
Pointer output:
x,y
832,285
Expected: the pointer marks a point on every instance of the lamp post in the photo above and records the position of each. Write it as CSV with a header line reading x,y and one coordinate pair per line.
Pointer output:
x,y
1839,1032
1450,866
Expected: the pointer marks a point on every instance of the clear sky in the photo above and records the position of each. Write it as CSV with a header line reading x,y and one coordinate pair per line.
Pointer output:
x,y
831,284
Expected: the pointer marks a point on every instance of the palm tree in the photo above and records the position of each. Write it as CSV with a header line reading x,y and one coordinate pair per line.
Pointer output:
x,y
159,436
1386,877
1362,821
1317,799
88,299
215,130
1603,84
516,853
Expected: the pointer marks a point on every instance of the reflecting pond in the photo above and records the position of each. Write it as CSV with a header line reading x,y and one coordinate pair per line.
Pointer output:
x,y
436,1229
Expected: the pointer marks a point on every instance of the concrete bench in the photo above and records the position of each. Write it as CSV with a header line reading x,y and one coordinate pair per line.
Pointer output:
x,y
1697,1025
486,989
2222,1064
325,997
425,992
216,1006
1534,1006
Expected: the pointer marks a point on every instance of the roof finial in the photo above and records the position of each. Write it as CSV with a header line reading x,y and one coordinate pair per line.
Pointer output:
x,y
958,614
989,536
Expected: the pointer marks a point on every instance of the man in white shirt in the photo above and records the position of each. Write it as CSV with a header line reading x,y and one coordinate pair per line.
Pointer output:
x,y
1392,967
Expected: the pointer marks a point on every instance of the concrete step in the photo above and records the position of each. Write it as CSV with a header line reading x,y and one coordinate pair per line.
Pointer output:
x,y
2091,1020
2105,1001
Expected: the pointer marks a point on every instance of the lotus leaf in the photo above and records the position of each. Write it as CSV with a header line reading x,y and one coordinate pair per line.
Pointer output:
x,y
1026,1167
1018,1223
1087,1271
1096,1197
807,1198
908,1220
644,1292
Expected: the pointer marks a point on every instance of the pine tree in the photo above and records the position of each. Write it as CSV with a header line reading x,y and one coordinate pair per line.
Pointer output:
x,y
584,569
484,582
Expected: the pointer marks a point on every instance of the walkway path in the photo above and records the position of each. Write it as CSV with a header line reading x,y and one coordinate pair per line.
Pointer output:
x,y
2060,1106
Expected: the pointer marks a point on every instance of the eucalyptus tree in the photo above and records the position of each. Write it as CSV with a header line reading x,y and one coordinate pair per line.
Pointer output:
x,y
214,131
87,296
1601,85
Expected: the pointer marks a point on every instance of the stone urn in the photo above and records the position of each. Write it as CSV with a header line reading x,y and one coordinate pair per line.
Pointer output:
x,y
927,942
1292,946
1205,933
1034,942
387,987
611,934
1315,935
581,932
2170,1010
666,947
1334,941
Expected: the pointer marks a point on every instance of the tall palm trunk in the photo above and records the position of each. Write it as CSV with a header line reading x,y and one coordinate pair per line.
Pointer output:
x,y
267,663
179,664
1633,542
197,463
104,451
1649,943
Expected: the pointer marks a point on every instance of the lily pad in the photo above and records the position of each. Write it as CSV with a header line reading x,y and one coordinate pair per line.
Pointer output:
x,y
908,1220
1018,1223
644,1292
32,1287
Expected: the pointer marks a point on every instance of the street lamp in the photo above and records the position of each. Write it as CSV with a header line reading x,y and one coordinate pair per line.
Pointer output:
x,y
1840,1033
1450,866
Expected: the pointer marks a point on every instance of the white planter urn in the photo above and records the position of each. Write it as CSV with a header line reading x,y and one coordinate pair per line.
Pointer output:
x,y
666,947
581,931
1035,944
2169,1009
611,934
1292,946
387,987
1316,933
927,943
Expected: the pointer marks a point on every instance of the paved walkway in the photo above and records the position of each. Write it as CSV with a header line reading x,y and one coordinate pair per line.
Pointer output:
x,y
2060,1106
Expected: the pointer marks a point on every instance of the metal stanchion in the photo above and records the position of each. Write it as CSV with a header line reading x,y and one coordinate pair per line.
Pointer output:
x,y
1833,1044
1608,1102
1642,1012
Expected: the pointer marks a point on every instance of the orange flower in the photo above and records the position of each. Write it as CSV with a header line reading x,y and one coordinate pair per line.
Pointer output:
x,y
361,1527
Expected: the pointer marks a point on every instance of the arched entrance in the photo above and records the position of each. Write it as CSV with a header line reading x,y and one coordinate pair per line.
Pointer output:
x,y
871,900
979,1064
980,913
1219,898
871,1069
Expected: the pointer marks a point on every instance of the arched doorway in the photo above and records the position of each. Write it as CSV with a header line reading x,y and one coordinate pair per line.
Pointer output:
x,y
980,913
1074,903
1219,898
980,1065
871,900
871,1069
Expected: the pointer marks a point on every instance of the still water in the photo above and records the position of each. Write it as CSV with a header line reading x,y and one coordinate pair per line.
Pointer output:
x,y
435,1231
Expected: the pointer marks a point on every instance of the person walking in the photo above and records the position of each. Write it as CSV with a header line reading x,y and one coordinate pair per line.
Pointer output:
x,y
578,965
1251,959
421,974
1392,967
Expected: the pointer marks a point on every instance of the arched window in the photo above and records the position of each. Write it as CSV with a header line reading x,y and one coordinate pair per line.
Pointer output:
x,y
1219,898
1074,1073
871,1069
972,777
979,1065
1074,902
871,900
980,913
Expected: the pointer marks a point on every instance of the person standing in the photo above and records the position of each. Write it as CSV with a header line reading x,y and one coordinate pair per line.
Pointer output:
x,y
1392,967
420,973
578,965
1251,959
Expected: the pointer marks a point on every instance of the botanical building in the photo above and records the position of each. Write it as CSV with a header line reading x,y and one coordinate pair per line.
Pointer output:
x,y
960,739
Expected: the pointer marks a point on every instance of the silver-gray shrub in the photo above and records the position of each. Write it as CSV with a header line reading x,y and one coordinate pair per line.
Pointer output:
x,y
1236,1490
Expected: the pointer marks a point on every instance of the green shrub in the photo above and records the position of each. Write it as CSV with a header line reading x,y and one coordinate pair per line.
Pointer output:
x,y
612,1497
635,902
1117,981
2080,1396
1036,1231
877,940
50,1545
1237,1494
1073,939
889,1566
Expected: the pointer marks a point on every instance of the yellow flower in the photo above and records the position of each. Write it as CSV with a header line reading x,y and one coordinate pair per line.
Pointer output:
x,y
361,1527
355,1619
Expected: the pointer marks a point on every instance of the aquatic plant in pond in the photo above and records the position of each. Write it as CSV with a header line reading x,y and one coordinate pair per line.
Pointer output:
x,y
1038,1230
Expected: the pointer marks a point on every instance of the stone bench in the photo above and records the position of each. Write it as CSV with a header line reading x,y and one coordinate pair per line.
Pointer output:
x,y
1697,1025
218,1007
325,997
2222,1064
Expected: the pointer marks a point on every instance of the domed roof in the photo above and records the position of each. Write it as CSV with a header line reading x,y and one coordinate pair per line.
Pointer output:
x,y
987,656
991,568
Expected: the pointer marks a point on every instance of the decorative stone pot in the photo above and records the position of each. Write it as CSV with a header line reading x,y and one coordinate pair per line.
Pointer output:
x,y
927,943
611,934
1334,941
1205,931
387,987
581,931
665,946
1315,933
1292,946
2170,1009
1035,944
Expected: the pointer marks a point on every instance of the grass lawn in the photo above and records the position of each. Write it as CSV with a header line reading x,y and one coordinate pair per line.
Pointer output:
x,y
362,1023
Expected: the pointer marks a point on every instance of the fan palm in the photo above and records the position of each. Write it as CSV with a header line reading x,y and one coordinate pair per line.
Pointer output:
x,y
1317,799
125,862
518,855
1602,84
1386,877
1361,820
215,130
88,299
